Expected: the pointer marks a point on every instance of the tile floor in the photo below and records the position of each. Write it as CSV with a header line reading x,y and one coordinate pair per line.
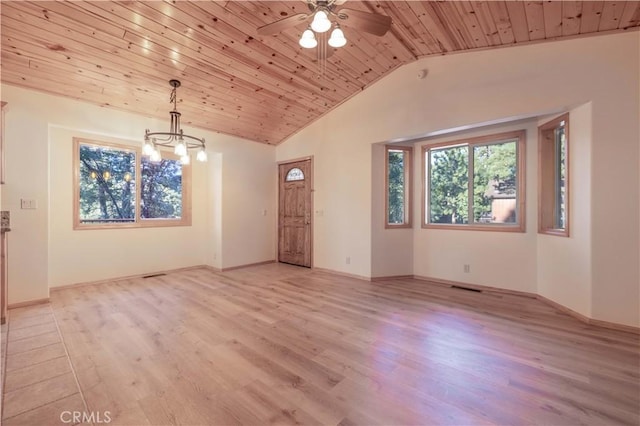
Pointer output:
x,y
39,382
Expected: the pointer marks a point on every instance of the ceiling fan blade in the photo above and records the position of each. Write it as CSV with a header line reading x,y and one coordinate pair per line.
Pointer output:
x,y
278,26
365,21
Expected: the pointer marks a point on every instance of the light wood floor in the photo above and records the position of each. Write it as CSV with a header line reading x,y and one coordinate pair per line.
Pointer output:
x,y
277,344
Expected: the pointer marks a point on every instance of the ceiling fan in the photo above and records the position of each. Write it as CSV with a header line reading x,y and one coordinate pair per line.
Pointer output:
x,y
321,11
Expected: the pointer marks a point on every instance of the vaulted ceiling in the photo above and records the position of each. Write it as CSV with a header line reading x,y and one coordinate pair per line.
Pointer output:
x,y
264,88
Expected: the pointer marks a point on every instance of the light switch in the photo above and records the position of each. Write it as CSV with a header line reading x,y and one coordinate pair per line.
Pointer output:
x,y
28,204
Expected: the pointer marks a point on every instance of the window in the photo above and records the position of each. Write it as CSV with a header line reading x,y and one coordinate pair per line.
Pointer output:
x,y
553,177
398,187
294,174
476,183
115,186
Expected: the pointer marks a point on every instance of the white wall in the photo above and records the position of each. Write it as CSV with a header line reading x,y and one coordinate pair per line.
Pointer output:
x,y
391,249
44,249
342,192
99,254
485,87
496,259
249,185
564,264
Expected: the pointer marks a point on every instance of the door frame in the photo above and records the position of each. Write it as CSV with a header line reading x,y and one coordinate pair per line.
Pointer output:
x,y
311,213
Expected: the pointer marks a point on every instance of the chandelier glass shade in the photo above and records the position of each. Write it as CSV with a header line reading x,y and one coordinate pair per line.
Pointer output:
x,y
174,138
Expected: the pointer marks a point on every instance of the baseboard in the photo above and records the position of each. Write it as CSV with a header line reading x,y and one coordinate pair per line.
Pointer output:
x,y
231,268
167,271
449,283
342,274
128,277
391,277
580,317
28,303
614,326
587,320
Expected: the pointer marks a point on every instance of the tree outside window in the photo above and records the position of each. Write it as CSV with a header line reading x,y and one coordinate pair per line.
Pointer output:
x,y
118,187
398,187
476,183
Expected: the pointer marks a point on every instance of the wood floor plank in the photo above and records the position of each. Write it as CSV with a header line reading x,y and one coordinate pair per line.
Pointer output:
x,y
276,344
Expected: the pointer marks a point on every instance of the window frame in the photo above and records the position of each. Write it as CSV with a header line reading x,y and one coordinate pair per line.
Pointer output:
x,y
185,219
547,163
521,177
408,191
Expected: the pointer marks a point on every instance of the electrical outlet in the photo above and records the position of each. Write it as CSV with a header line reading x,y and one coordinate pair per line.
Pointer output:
x,y
264,212
348,260
467,268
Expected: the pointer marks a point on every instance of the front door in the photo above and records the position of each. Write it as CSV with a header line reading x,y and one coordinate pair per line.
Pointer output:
x,y
294,213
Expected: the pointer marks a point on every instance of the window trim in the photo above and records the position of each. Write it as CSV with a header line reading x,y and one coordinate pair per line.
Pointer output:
x,y
408,176
139,222
521,175
543,165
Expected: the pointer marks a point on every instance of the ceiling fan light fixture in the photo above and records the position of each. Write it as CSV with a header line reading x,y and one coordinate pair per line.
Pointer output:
x,y
308,39
321,22
337,38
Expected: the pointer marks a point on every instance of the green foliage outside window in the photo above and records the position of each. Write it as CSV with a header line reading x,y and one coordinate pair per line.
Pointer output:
x,y
494,168
107,184
448,184
161,189
494,183
396,167
108,180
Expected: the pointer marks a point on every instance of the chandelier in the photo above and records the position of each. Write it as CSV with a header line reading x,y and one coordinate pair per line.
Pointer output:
x,y
322,24
174,138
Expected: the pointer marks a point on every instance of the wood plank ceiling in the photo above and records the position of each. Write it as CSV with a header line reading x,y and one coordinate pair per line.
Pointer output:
x,y
122,54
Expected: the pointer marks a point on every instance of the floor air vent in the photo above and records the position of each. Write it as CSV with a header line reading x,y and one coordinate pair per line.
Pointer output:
x,y
154,275
466,288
